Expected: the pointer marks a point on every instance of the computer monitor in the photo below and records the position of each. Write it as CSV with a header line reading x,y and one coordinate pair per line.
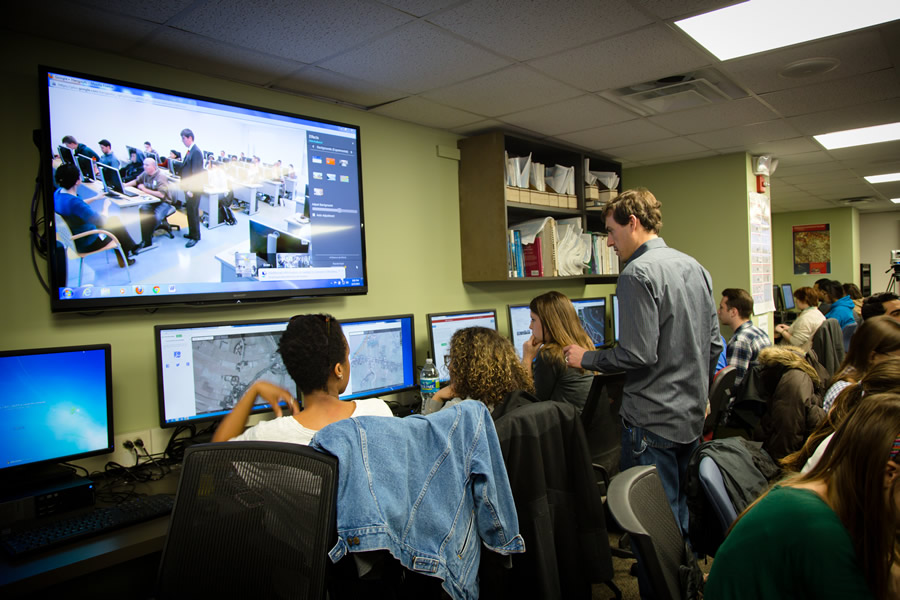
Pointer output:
x,y
777,297
442,326
56,405
154,156
85,167
175,166
66,154
519,325
111,178
787,296
203,369
592,314
269,242
614,301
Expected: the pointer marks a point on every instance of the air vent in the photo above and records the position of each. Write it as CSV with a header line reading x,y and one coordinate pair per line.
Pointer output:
x,y
856,201
677,92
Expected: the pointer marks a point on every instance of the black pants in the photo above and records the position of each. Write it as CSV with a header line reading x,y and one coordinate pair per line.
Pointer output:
x,y
193,215
151,216
225,214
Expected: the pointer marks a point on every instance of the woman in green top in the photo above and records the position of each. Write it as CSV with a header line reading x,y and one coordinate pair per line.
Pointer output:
x,y
829,533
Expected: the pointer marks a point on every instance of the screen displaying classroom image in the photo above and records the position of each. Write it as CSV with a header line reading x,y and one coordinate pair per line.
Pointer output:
x,y
442,326
297,177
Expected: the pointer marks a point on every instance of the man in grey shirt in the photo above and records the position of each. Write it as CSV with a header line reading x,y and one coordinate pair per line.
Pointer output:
x,y
668,344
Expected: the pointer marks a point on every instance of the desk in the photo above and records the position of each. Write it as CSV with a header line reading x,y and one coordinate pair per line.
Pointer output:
x,y
272,188
246,192
209,203
92,555
124,208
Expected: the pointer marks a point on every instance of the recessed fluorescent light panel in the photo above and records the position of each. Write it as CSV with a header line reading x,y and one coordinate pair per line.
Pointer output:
x,y
760,25
859,137
895,200
886,178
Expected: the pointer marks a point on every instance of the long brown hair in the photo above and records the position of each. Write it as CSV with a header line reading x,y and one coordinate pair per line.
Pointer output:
x,y
853,469
560,326
484,366
878,334
884,377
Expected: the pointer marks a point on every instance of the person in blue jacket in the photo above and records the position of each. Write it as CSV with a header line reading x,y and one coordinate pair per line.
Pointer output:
x,y
841,304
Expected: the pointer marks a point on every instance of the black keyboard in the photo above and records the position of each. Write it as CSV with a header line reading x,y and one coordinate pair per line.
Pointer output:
x,y
100,520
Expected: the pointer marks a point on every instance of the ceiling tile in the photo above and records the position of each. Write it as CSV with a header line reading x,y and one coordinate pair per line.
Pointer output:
x,y
669,9
313,81
848,117
583,112
213,58
419,8
859,52
502,92
305,31
619,134
678,158
478,127
673,148
744,136
424,112
158,11
644,55
415,58
868,87
715,116
777,148
525,30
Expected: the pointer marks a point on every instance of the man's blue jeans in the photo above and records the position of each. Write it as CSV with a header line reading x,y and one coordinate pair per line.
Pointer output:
x,y
643,447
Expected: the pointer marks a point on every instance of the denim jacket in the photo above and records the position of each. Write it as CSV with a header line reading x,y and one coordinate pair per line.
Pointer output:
x,y
425,489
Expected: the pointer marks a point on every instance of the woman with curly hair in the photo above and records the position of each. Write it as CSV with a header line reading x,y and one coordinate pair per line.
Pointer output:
x,y
483,366
555,325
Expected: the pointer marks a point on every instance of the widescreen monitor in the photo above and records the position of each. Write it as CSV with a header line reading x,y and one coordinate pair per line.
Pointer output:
x,y
111,179
442,326
56,405
325,155
591,312
787,296
85,167
777,297
614,301
203,369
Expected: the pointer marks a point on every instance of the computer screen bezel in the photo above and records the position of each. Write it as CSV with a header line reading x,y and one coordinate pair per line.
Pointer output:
x,y
614,317
512,332
778,297
430,316
263,409
787,296
63,300
110,423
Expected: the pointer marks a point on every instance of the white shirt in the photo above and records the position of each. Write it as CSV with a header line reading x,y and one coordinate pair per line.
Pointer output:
x,y
802,330
287,429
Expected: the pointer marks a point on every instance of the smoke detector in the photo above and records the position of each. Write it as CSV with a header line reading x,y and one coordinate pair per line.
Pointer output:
x,y
676,92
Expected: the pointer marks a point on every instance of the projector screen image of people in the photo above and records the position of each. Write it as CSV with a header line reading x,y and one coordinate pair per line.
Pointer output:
x,y
225,172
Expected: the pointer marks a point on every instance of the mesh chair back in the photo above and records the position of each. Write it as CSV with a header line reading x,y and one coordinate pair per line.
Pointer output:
x,y
638,502
721,392
251,520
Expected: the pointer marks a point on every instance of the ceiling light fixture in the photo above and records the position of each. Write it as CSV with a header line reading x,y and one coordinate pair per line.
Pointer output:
x,y
777,23
886,178
859,137
895,200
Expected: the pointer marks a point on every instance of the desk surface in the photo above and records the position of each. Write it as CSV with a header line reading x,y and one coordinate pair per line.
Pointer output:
x,y
22,576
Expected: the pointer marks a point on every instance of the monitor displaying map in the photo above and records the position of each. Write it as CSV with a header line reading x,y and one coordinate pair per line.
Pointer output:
x,y
204,369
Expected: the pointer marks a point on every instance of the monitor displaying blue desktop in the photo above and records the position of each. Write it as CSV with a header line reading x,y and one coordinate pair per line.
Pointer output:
x,y
442,326
203,369
787,296
56,405
614,301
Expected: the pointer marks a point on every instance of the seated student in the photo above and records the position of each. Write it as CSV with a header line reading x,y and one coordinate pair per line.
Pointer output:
x,y
881,378
801,331
841,304
483,366
555,325
820,286
80,217
874,340
77,148
734,311
133,168
829,533
851,289
885,303
107,157
152,182
218,180
317,357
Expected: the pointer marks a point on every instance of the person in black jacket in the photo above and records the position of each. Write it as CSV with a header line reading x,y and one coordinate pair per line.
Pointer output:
x,y
193,178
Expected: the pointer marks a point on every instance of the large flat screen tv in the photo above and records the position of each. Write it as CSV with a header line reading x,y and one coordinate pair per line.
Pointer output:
x,y
297,176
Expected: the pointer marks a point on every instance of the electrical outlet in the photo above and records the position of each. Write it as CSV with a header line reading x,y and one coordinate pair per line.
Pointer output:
x,y
123,455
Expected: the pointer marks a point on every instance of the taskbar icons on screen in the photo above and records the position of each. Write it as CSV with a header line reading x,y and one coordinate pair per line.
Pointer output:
x,y
121,291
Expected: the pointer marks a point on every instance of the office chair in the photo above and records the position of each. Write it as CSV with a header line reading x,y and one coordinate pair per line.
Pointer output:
x,y
828,344
714,487
721,392
638,502
251,520
64,235
847,333
167,227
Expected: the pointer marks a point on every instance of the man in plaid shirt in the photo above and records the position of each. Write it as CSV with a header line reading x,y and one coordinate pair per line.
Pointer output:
x,y
743,348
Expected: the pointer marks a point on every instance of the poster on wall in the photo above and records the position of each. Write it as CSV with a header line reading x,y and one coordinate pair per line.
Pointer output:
x,y
761,254
812,249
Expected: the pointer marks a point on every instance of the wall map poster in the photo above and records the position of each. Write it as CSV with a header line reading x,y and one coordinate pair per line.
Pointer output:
x,y
761,254
812,249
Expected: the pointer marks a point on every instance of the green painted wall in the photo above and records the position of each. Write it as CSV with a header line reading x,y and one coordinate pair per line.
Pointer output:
x,y
844,224
412,222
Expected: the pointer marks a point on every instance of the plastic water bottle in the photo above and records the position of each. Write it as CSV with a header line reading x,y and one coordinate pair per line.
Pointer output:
x,y
429,381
